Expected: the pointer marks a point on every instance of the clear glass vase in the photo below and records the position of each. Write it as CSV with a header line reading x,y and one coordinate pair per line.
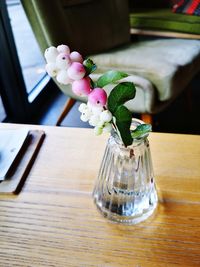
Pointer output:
x,y
125,190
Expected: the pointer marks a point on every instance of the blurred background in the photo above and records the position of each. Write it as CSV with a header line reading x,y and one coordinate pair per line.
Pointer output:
x,y
28,95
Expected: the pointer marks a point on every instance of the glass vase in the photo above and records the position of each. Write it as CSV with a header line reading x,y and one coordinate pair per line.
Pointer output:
x,y
125,190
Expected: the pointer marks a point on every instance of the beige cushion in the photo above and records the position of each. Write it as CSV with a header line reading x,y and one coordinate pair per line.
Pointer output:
x,y
144,102
160,69
169,64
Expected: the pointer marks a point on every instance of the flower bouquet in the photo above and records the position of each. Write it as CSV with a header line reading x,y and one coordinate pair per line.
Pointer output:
x,y
101,111
124,191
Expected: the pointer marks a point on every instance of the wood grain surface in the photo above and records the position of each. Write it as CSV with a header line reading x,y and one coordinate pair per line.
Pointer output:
x,y
53,221
22,164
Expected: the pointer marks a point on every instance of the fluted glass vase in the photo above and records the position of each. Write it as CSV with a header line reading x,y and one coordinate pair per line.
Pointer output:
x,y
125,190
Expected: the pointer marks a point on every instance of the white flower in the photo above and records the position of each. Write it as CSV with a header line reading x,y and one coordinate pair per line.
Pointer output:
x,y
51,69
107,128
106,116
85,116
62,77
76,57
63,49
95,110
63,61
100,124
82,107
50,54
94,120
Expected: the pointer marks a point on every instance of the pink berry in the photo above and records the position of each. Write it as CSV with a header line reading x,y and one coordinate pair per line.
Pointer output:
x,y
76,57
76,71
81,87
98,97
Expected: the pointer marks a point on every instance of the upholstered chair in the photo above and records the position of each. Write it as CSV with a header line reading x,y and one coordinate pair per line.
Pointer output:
x,y
161,69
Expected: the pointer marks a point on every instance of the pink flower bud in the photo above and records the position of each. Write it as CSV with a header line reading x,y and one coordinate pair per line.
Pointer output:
x,y
76,57
98,97
76,71
63,49
81,87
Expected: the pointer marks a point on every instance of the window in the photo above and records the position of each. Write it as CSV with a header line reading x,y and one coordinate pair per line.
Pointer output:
x,y
2,110
23,81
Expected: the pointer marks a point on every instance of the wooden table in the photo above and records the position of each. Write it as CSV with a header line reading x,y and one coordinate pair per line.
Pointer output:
x,y
53,221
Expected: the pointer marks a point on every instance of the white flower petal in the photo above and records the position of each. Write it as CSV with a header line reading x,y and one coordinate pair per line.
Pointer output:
x,y
50,54
84,117
82,107
62,77
94,120
51,69
96,110
106,116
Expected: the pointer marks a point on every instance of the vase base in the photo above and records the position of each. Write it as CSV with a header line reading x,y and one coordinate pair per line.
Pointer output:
x,y
114,214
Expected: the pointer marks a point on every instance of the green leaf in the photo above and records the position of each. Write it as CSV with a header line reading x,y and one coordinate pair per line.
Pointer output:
x,y
110,77
120,94
123,121
141,130
89,66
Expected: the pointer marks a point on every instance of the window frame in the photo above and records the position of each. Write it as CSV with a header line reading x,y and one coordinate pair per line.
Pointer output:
x,y
19,105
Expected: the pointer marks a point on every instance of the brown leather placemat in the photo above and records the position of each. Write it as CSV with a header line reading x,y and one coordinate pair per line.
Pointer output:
x,y
23,163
